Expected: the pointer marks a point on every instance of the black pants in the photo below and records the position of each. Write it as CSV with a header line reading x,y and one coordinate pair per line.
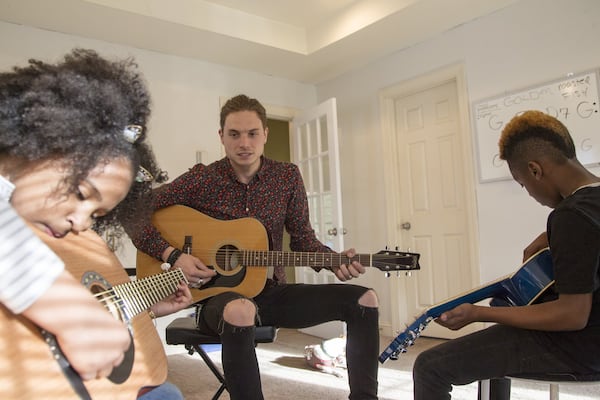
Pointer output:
x,y
495,352
297,306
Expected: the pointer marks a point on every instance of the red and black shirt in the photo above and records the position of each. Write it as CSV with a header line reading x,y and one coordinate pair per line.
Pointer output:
x,y
275,196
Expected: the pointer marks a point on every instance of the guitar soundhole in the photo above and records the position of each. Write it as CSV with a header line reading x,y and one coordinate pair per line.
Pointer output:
x,y
102,291
228,257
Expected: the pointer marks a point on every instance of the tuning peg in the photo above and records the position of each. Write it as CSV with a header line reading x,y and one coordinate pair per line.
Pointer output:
x,y
408,273
387,274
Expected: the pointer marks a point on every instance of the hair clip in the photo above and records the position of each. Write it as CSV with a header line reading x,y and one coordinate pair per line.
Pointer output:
x,y
132,133
143,175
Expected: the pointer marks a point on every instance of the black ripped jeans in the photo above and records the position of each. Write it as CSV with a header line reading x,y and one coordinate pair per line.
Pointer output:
x,y
297,306
495,352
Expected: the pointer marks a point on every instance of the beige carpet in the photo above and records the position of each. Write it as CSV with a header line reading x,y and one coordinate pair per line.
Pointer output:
x,y
285,375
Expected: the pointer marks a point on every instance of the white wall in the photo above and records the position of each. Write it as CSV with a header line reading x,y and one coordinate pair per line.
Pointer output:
x,y
530,42
185,94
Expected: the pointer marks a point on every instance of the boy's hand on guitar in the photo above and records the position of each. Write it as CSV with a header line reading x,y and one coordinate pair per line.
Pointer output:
x,y
458,317
345,272
194,270
175,302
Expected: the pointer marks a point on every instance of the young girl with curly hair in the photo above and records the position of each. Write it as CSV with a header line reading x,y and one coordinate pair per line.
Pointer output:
x,y
73,156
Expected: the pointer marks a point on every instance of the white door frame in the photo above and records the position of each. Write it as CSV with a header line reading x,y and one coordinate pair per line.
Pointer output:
x,y
391,179
283,113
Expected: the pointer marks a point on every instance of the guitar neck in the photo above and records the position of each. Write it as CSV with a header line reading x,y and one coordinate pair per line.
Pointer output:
x,y
408,337
253,258
519,289
137,296
473,296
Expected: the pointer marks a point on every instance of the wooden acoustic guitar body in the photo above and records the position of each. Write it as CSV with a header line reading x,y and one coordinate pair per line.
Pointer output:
x,y
28,369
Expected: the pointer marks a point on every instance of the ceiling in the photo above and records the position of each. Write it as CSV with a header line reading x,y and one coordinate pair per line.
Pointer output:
x,y
307,41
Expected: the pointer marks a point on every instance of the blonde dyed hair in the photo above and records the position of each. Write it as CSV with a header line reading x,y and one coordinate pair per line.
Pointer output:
x,y
534,134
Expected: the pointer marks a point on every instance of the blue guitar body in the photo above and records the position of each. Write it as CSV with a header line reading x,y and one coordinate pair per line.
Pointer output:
x,y
521,288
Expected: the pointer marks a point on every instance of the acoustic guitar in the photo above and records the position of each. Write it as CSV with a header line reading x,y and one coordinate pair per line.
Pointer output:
x,y
33,367
238,250
523,287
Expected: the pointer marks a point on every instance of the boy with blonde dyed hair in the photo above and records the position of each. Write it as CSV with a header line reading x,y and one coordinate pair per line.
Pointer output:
x,y
558,339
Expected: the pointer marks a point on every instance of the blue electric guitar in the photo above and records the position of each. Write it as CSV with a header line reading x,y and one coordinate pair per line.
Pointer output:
x,y
521,288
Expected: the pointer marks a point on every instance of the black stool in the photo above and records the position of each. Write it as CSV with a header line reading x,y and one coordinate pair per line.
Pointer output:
x,y
184,331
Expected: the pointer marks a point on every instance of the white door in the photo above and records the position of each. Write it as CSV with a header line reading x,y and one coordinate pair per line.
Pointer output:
x,y
316,152
432,202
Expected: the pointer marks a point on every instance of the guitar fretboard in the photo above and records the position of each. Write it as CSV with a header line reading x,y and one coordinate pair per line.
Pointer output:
x,y
137,296
253,258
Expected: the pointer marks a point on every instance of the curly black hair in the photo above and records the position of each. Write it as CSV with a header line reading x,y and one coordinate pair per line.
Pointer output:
x,y
75,111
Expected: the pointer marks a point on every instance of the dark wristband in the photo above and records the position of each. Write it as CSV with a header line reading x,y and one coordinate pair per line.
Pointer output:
x,y
174,256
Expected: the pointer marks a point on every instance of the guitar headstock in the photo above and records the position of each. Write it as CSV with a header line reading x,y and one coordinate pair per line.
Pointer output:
x,y
388,260
405,339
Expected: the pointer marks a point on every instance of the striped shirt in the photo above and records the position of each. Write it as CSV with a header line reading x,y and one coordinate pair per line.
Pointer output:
x,y
27,266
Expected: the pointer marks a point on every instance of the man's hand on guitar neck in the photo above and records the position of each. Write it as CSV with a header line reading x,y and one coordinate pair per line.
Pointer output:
x,y
345,272
194,270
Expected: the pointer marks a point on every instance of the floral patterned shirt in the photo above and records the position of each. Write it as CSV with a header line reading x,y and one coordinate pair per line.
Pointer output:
x,y
275,196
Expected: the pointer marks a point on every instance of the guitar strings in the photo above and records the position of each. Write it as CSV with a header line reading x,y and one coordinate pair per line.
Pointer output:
x,y
248,255
154,288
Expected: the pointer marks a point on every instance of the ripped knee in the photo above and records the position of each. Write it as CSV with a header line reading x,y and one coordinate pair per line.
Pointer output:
x,y
240,312
369,299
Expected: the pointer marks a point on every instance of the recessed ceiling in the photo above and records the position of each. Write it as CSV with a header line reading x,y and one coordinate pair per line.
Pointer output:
x,y
302,14
303,40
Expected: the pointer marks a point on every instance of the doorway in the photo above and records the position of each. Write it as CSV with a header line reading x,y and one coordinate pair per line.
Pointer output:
x,y
430,188
278,148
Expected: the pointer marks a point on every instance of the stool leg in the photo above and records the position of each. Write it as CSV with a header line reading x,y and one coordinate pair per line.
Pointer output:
x,y
484,390
500,389
219,392
214,369
554,391
494,389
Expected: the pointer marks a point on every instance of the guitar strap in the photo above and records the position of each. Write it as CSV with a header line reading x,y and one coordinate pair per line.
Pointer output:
x,y
72,376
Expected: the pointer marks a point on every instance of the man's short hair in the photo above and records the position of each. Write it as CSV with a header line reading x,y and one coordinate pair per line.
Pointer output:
x,y
241,102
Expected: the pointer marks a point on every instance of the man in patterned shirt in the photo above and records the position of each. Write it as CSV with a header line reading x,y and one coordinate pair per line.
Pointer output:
x,y
246,184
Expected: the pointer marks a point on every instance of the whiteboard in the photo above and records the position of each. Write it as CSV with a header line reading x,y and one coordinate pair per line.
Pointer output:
x,y
572,100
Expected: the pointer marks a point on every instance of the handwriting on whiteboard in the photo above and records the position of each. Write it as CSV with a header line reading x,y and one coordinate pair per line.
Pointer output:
x,y
573,100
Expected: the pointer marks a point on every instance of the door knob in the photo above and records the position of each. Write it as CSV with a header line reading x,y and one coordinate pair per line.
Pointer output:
x,y
405,226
